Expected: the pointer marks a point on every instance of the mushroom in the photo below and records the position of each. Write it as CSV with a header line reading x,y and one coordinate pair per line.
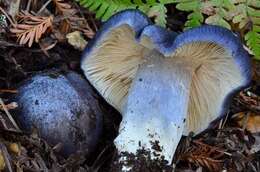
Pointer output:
x,y
63,108
165,85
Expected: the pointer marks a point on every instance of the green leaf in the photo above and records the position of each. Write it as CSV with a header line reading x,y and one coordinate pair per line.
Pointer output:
x,y
240,14
243,23
188,6
228,4
253,42
194,19
106,8
217,3
254,3
217,20
196,15
256,28
138,2
159,11
256,20
252,12
102,9
144,8
109,12
238,18
94,6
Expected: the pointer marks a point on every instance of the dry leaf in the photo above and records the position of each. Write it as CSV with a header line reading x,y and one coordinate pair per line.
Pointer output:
x,y
63,7
251,122
203,155
31,28
76,40
71,22
15,148
2,161
80,24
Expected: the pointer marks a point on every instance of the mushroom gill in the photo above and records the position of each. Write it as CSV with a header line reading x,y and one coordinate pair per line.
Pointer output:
x,y
214,76
113,64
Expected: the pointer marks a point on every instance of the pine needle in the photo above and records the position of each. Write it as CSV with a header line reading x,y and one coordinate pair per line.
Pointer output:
x,y
9,115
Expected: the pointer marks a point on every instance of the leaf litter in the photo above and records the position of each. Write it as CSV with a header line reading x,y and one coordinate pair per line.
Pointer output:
x,y
231,144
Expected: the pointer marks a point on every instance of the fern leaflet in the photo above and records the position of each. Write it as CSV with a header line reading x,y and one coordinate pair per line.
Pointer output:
x,y
106,8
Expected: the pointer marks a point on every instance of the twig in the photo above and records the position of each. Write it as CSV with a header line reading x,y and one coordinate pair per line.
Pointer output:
x,y
43,7
45,49
222,124
245,121
14,7
78,9
94,23
7,16
12,105
101,159
6,157
2,120
9,115
41,162
82,15
8,91
8,44
225,120
211,147
28,5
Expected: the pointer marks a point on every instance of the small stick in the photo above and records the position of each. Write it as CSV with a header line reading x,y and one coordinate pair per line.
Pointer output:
x,y
8,91
28,5
212,147
9,106
222,123
7,16
9,115
225,120
8,44
43,7
7,157
245,120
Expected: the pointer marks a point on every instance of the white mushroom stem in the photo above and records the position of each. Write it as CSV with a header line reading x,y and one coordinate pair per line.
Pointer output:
x,y
157,106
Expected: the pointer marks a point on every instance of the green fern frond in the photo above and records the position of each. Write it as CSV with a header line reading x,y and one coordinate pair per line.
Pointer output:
x,y
243,15
239,15
253,41
220,17
159,12
217,20
106,8
195,18
253,19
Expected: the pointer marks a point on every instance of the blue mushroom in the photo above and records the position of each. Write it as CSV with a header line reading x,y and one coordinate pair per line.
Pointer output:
x,y
164,84
63,109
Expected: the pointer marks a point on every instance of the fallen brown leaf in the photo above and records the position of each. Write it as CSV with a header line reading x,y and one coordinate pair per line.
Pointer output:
x,y
251,122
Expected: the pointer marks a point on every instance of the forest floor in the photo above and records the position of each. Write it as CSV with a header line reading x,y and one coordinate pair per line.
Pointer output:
x,y
231,144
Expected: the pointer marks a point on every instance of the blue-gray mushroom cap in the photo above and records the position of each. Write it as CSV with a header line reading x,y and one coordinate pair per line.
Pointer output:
x,y
63,109
142,69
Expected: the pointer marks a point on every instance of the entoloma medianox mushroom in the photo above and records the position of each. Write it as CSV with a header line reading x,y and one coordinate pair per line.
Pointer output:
x,y
165,85
63,108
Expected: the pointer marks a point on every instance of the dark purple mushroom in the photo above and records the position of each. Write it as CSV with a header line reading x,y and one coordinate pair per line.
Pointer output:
x,y
63,109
